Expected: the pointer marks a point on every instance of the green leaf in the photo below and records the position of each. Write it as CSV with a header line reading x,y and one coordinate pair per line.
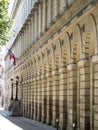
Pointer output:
x,y
5,22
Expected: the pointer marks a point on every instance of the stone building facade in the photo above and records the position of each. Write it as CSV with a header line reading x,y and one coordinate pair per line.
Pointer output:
x,y
56,43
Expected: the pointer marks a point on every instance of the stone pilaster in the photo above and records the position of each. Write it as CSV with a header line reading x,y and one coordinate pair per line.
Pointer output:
x,y
49,96
36,24
34,27
62,6
22,45
84,81
49,17
29,32
55,97
40,20
44,16
55,9
72,96
63,98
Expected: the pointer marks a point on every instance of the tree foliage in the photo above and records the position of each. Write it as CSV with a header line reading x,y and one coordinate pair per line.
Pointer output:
x,y
4,22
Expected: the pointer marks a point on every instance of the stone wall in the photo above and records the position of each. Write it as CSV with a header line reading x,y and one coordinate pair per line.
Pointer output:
x,y
58,74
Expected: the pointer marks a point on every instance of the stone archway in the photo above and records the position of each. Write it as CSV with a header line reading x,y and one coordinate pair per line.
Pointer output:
x,y
74,36
63,80
76,54
85,72
93,50
49,57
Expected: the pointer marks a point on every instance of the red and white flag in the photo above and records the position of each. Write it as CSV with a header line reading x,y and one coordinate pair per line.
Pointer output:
x,y
12,56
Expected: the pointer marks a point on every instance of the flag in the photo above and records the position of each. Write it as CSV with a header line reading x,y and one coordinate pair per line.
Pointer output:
x,y
14,62
12,56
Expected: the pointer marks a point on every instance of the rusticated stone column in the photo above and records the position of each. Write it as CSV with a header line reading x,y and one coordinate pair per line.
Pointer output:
x,y
32,94
35,97
26,96
94,94
27,111
84,81
27,89
30,99
72,96
44,96
23,93
63,98
29,85
39,98
23,100
49,96
55,96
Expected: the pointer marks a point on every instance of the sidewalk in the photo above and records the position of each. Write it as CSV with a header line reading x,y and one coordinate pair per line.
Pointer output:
x,y
20,123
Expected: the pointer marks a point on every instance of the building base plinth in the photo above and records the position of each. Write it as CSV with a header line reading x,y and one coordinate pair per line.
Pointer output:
x,y
15,108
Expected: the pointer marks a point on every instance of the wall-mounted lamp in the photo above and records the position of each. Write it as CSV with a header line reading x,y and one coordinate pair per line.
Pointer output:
x,y
17,81
11,89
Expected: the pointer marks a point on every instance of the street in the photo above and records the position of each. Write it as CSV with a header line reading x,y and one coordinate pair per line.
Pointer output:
x,y
20,123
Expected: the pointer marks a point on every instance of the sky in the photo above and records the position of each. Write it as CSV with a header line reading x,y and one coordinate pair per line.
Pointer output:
x,y
2,50
10,5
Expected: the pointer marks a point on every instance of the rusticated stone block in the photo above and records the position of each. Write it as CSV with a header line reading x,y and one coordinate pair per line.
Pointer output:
x,y
96,75
96,115
96,92
96,83
85,92
96,124
85,99
85,106
84,113
85,84
84,70
96,67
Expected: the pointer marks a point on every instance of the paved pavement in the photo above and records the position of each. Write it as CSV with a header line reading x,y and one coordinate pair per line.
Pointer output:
x,y
20,123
